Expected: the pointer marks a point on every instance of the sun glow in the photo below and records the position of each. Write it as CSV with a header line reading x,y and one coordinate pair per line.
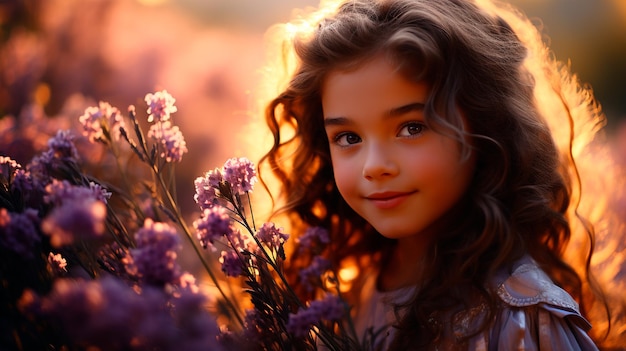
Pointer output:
x,y
152,2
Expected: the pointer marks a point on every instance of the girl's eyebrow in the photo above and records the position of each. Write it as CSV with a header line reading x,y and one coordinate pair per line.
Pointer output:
x,y
394,112
336,121
402,110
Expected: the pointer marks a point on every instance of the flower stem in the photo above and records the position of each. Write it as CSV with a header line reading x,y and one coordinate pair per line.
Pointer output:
x,y
270,260
185,228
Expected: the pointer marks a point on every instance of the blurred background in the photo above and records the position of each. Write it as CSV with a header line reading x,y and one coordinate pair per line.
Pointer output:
x,y
59,56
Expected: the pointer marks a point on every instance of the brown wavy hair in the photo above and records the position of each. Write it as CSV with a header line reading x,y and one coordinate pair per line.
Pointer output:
x,y
520,198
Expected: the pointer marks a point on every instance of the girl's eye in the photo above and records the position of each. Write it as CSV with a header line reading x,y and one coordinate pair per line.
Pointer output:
x,y
411,129
347,139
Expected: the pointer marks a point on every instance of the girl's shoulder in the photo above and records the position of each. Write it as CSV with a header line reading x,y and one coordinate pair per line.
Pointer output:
x,y
528,285
535,313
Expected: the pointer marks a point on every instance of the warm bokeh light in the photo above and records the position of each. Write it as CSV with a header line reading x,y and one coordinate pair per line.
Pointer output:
x,y
348,274
152,2
620,5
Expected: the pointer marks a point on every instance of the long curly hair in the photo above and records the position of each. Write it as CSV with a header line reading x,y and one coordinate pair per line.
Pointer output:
x,y
524,193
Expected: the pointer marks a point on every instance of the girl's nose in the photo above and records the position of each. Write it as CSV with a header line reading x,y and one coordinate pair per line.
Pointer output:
x,y
379,163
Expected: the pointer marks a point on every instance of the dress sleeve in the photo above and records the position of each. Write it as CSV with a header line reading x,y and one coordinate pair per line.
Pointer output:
x,y
540,327
538,315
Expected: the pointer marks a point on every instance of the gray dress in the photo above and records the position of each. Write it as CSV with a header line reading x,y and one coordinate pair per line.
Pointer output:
x,y
535,315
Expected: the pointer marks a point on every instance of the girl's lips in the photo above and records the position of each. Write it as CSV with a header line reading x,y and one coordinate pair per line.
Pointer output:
x,y
387,200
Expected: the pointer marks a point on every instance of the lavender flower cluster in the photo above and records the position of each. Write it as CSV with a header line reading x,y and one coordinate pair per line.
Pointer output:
x,y
79,280
330,308
77,210
170,138
18,232
35,201
101,119
110,315
236,177
219,195
104,123
280,319
86,282
153,261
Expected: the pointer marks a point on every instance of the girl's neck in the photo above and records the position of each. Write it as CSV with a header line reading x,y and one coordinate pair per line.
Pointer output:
x,y
406,264
404,267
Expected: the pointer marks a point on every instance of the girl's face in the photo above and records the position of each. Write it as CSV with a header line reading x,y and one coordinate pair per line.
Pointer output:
x,y
390,168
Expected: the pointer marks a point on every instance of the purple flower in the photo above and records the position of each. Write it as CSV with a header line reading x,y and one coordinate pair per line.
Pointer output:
x,y
57,263
18,232
157,234
153,267
311,275
313,236
99,192
31,190
95,118
213,224
153,261
271,236
61,150
214,177
8,166
79,212
59,192
61,146
92,122
188,282
331,308
252,325
198,328
160,105
171,139
241,242
240,174
40,165
94,312
73,220
206,189
231,263
106,314
300,323
23,182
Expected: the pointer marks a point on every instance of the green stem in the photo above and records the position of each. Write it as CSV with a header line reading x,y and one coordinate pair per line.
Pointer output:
x,y
172,203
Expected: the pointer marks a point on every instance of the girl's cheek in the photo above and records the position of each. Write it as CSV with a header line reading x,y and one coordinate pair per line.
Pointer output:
x,y
345,174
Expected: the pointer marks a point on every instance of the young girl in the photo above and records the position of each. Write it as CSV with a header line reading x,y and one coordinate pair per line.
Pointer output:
x,y
419,141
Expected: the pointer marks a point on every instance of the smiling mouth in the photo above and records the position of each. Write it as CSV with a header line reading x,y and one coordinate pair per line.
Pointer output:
x,y
388,200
